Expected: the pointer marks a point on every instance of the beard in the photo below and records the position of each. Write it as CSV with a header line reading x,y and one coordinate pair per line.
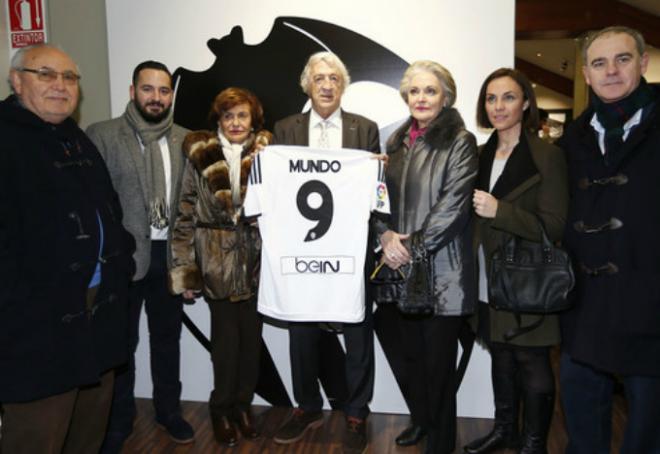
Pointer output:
x,y
153,117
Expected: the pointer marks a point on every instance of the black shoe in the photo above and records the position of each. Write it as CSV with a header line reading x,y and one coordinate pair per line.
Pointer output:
x,y
410,436
355,436
177,428
298,424
501,437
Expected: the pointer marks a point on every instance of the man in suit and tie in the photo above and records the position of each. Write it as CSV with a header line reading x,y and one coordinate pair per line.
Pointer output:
x,y
326,125
142,149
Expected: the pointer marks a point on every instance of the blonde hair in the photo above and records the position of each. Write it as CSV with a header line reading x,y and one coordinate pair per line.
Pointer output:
x,y
440,72
331,60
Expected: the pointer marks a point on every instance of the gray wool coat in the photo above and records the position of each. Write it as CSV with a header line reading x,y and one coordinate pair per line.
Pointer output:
x,y
115,139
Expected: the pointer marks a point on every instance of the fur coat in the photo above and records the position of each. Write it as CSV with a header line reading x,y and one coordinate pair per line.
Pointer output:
x,y
214,250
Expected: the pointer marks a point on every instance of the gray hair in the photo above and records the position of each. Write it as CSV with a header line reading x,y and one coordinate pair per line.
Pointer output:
x,y
331,60
440,72
18,59
613,30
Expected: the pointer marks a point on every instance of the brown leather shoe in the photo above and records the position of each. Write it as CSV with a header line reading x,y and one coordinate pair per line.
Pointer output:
x,y
355,436
245,422
224,431
297,425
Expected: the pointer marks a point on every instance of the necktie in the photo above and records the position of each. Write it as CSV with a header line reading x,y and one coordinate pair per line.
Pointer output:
x,y
324,140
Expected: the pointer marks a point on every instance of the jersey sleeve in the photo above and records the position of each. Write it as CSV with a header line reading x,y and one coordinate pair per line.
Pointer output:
x,y
380,200
252,206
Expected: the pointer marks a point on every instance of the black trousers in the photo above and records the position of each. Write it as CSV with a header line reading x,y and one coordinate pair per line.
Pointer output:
x,y
164,312
305,352
431,346
235,351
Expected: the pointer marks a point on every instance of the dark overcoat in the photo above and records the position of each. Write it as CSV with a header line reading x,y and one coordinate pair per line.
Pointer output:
x,y
612,233
533,183
54,190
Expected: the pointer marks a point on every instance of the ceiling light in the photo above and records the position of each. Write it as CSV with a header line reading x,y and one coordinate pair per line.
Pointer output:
x,y
539,54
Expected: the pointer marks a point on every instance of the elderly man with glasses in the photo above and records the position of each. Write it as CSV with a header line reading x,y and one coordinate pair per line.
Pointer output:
x,y
66,262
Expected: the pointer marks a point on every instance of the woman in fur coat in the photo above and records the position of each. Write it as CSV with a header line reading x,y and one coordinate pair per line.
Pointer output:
x,y
430,178
216,253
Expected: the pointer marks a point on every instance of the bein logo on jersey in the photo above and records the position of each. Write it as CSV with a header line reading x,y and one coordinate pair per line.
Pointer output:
x,y
339,264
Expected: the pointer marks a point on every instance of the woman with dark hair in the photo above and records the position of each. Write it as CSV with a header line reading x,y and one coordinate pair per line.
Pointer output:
x,y
216,252
521,180
430,177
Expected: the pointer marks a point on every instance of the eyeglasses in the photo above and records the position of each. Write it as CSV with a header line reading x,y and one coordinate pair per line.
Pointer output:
x,y
50,75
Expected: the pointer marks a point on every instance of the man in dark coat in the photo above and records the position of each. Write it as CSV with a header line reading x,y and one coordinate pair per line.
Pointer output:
x,y
613,154
326,125
66,263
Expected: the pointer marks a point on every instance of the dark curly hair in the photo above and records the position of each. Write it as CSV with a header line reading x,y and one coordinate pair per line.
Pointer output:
x,y
233,96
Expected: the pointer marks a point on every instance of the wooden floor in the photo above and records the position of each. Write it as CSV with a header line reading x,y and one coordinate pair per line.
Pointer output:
x,y
382,429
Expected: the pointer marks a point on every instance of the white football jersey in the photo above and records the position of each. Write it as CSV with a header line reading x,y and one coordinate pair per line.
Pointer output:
x,y
314,208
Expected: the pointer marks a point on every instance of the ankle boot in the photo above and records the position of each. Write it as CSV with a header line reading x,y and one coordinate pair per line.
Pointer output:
x,y
223,430
538,410
505,431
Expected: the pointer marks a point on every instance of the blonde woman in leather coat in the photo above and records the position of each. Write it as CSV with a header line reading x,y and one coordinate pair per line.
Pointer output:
x,y
430,178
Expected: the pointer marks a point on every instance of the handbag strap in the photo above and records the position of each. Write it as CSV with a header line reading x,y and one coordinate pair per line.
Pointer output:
x,y
466,339
511,244
374,275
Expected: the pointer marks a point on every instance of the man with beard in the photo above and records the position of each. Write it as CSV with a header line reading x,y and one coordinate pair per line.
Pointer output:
x,y
142,149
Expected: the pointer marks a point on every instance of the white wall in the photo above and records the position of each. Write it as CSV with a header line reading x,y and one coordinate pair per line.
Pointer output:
x,y
471,38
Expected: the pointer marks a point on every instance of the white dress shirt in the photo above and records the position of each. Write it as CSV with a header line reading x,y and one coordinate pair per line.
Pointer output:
x,y
627,126
333,125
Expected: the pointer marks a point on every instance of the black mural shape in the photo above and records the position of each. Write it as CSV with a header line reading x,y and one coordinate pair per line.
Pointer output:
x,y
271,70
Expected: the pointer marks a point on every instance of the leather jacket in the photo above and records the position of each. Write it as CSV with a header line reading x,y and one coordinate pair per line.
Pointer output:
x,y
430,183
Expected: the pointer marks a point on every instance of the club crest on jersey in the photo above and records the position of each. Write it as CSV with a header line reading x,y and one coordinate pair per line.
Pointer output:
x,y
381,193
318,265
311,165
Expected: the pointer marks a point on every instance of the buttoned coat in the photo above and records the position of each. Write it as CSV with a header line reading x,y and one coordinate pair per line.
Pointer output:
x,y
533,183
118,144
55,194
612,233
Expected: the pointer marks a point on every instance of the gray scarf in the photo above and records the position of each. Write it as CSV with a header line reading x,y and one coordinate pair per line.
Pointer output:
x,y
149,134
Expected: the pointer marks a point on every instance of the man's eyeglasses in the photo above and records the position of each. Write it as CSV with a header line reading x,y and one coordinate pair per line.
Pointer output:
x,y
50,75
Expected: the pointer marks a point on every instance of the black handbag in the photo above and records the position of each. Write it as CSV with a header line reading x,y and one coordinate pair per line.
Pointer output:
x,y
409,287
530,277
